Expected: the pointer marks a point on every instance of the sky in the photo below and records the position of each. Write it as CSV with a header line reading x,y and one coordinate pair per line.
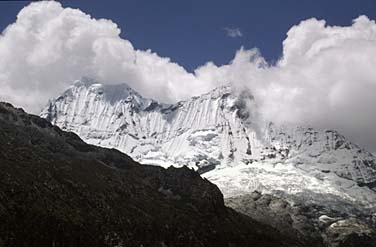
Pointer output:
x,y
306,62
165,27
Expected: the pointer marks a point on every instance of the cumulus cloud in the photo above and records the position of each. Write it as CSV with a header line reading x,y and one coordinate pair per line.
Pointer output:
x,y
233,32
325,77
49,47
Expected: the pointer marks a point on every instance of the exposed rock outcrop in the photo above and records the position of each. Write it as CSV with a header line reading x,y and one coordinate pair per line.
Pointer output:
x,y
312,224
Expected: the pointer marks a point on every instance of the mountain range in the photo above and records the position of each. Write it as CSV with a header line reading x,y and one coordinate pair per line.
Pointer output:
x,y
219,135
276,185
56,190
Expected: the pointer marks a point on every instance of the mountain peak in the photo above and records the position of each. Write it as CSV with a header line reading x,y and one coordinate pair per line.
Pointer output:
x,y
100,87
86,81
94,91
121,91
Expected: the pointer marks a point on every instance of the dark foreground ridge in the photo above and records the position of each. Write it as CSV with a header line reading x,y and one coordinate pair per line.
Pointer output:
x,y
56,190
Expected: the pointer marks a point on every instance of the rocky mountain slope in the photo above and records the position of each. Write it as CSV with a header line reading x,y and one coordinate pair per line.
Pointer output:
x,y
217,135
56,190
311,223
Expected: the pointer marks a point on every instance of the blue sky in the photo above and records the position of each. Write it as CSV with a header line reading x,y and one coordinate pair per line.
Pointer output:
x,y
192,32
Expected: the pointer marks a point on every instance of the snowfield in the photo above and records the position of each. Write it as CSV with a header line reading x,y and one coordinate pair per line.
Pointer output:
x,y
290,180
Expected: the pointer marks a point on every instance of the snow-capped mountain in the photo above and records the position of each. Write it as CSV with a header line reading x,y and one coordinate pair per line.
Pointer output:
x,y
216,134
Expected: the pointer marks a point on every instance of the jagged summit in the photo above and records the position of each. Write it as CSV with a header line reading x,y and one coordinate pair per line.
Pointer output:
x,y
213,133
111,92
121,91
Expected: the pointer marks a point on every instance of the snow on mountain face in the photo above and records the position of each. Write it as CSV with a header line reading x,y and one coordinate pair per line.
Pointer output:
x,y
214,134
202,133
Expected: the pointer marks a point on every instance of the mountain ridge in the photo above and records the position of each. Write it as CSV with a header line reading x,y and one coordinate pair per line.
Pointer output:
x,y
56,190
217,135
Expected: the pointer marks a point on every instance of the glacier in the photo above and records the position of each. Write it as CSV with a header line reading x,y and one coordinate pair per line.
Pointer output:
x,y
218,135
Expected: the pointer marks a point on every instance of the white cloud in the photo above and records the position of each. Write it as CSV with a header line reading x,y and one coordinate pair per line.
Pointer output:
x,y
233,32
325,78
49,47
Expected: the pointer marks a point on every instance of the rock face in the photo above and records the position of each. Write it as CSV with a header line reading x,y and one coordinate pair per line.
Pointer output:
x,y
217,135
308,222
56,190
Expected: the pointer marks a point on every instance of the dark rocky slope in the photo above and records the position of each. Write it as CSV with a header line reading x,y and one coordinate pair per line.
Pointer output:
x,y
56,190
